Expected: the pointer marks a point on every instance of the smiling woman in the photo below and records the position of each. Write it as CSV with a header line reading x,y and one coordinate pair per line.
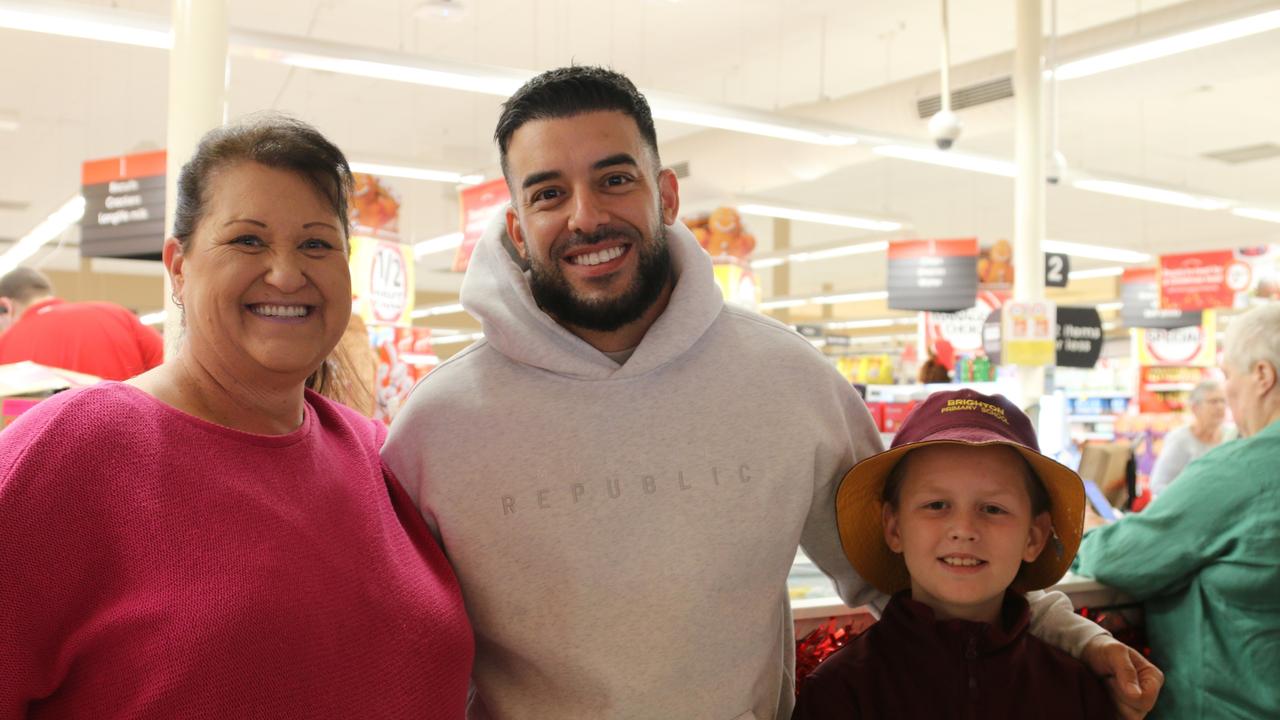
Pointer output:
x,y
219,536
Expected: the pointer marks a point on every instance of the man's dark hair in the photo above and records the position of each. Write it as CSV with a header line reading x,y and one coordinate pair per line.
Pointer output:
x,y
24,285
568,91
270,139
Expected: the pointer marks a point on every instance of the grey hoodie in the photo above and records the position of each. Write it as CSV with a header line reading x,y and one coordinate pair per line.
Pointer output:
x,y
623,533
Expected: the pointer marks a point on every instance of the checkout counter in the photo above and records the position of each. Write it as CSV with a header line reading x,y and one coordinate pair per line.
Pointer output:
x,y
814,601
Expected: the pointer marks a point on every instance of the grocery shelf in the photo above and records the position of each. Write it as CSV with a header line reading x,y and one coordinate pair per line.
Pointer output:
x,y
1092,418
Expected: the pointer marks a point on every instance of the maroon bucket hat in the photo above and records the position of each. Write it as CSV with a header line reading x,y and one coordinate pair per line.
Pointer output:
x,y
958,417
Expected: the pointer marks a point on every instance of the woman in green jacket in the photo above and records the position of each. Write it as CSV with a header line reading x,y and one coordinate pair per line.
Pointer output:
x,y
1205,559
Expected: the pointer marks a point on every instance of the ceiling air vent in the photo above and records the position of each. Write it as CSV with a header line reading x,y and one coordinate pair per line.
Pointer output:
x,y
968,96
1248,153
681,169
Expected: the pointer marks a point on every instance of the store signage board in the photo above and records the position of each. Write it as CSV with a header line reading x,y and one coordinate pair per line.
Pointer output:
x,y
1140,295
933,275
1079,337
963,330
374,208
1194,345
479,204
1204,280
1220,278
382,282
1027,333
124,206
991,340
1057,268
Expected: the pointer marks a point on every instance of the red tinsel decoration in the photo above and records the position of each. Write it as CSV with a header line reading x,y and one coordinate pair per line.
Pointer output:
x,y
818,645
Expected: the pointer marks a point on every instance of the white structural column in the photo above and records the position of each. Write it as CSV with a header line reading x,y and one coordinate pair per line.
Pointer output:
x,y
197,104
1028,184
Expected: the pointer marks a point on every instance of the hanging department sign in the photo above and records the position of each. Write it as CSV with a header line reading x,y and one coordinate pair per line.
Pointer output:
x,y
479,204
123,206
382,282
1140,298
933,275
1200,281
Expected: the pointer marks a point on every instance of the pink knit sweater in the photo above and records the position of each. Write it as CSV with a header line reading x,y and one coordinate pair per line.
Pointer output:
x,y
153,565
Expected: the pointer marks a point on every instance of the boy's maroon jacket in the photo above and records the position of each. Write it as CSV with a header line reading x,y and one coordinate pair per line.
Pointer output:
x,y
910,665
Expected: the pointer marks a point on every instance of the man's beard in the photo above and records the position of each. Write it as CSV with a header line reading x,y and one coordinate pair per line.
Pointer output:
x,y
552,292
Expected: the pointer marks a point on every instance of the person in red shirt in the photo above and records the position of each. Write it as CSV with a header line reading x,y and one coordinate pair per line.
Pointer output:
x,y
97,338
954,521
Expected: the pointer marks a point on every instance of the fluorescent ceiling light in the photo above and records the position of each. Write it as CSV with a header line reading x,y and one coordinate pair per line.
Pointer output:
x,y
438,244
862,324
879,338
153,31
844,251
743,120
1171,45
416,173
155,318
433,310
778,304
823,218
1257,214
1152,194
1097,252
420,358
823,254
1096,273
849,297
9,121
455,339
949,158
1102,307
50,228
78,21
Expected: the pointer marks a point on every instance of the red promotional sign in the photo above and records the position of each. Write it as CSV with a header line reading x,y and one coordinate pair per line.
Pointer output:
x,y
1200,281
479,204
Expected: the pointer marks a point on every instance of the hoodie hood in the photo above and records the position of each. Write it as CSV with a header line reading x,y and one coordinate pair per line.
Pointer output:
x,y
496,292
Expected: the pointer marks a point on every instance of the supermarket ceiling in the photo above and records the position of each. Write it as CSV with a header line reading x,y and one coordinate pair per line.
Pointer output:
x,y
861,65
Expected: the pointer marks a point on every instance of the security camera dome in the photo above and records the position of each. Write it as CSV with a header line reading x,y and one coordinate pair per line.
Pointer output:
x,y
945,127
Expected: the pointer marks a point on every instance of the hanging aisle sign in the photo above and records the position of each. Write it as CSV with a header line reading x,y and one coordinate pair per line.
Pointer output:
x,y
479,204
1140,295
1201,281
124,206
933,275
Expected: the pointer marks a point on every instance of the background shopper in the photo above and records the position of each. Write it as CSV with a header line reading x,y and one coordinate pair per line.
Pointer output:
x,y
1206,558
213,539
98,338
1207,430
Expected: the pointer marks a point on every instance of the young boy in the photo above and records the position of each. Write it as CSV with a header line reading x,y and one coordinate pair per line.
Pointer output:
x,y
957,520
